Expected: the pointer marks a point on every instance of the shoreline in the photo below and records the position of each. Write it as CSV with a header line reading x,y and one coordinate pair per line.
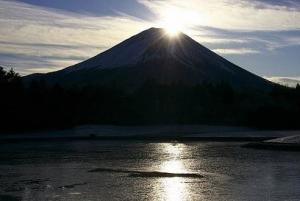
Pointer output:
x,y
163,133
136,138
273,146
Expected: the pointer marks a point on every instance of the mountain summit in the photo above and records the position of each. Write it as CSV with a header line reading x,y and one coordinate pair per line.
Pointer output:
x,y
152,55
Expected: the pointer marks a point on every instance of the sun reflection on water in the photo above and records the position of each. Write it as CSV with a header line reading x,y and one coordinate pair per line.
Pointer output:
x,y
173,166
175,188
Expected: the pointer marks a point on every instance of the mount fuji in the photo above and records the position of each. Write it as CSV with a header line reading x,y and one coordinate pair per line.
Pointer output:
x,y
152,55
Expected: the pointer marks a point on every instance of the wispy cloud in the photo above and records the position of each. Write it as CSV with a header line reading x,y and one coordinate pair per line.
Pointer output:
x,y
259,25
39,39
289,4
53,39
219,39
262,41
233,14
286,81
236,51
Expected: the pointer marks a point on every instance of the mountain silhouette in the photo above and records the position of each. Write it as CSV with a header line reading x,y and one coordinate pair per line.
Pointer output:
x,y
152,55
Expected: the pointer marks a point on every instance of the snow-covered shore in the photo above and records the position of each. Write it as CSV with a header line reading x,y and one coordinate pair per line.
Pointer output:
x,y
286,140
288,143
166,131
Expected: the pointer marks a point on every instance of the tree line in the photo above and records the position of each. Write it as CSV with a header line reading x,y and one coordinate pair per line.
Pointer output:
x,y
38,106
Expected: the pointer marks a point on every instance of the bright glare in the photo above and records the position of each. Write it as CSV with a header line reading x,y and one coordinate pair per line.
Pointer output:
x,y
175,189
172,30
174,149
173,166
175,20
171,24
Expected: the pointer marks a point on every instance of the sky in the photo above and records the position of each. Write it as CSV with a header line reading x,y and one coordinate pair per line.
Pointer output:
x,y
262,36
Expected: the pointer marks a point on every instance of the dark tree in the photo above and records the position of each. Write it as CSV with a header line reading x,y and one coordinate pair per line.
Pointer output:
x,y
38,105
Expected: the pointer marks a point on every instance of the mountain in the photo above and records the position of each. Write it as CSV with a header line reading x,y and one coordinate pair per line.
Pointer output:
x,y
152,55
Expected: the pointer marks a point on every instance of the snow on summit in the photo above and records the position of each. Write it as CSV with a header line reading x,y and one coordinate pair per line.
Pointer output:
x,y
155,55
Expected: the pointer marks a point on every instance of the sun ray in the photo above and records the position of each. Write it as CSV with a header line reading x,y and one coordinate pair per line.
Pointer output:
x,y
175,20
171,24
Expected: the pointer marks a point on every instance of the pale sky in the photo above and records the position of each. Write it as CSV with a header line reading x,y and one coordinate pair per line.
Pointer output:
x,y
262,36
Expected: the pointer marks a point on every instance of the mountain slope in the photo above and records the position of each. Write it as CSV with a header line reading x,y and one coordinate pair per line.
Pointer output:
x,y
152,55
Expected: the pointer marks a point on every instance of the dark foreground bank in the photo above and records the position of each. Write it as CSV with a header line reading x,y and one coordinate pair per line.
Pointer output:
x,y
37,106
167,133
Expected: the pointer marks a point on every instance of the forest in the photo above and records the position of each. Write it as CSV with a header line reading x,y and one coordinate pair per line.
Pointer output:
x,y
37,106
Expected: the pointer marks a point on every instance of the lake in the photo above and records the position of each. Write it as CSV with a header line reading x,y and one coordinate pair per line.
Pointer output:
x,y
135,170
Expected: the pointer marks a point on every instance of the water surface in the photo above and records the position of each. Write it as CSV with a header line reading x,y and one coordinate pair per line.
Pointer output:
x,y
124,170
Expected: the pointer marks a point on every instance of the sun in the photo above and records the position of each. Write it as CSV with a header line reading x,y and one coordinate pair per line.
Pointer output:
x,y
172,29
176,20
171,22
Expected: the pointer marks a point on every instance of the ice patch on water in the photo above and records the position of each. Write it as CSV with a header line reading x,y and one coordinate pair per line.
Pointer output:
x,y
74,193
135,173
72,185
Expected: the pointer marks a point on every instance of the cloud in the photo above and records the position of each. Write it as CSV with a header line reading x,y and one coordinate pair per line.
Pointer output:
x,y
237,27
286,81
290,4
236,51
263,41
39,39
51,39
218,40
232,14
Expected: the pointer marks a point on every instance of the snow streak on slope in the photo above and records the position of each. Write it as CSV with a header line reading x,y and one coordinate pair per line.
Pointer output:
x,y
153,55
151,44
